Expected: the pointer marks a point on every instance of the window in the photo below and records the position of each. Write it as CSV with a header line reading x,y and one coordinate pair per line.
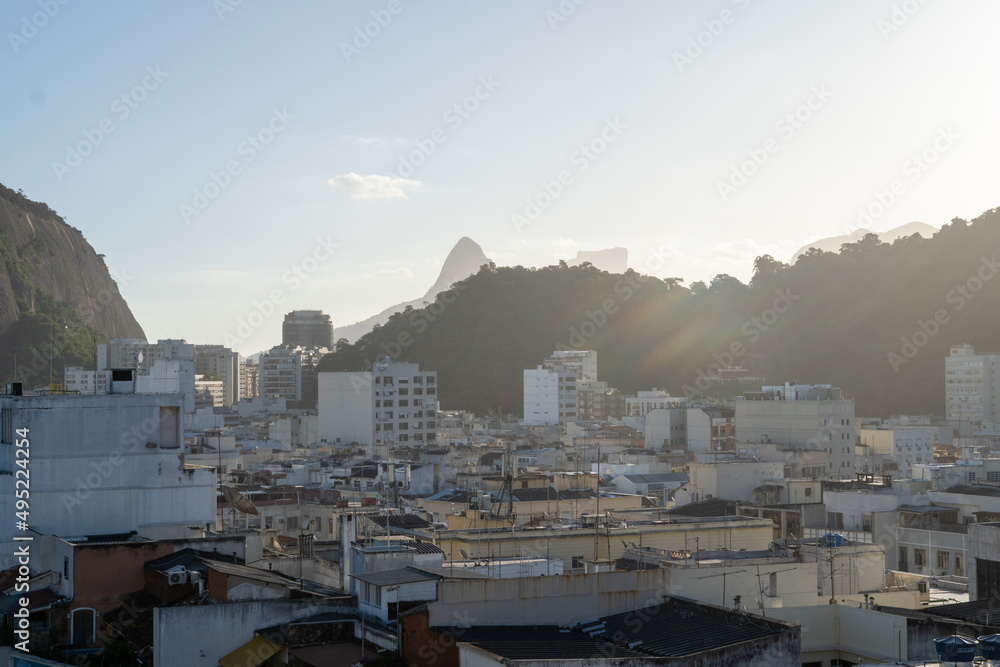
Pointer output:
x,y
993,476
944,559
835,520
293,522
404,391
959,570
577,562
919,557
971,476
7,426
404,403
902,558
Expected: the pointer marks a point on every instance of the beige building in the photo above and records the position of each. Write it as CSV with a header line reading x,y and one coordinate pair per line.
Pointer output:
x,y
575,546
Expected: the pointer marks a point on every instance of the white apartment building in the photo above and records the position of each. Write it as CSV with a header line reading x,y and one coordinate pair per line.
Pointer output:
x,y
550,396
971,386
78,380
646,401
98,465
805,416
904,446
220,363
280,371
580,363
394,403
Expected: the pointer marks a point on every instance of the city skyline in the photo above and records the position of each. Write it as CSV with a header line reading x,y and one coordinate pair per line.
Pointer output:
x,y
335,154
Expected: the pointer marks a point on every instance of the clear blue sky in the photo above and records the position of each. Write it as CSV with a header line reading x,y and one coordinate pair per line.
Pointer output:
x,y
359,142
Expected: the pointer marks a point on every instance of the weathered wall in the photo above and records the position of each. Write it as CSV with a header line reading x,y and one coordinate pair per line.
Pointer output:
x,y
198,636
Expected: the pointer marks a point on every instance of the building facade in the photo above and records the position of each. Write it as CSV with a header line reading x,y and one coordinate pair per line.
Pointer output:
x,y
307,328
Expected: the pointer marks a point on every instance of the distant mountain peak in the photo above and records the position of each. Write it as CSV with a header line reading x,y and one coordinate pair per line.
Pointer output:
x,y
833,243
463,261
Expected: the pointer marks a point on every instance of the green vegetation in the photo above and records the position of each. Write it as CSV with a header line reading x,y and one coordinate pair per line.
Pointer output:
x,y
875,319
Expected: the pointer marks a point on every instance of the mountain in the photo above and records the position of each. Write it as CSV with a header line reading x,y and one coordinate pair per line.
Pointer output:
x,y
833,243
463,261
53,286
875,319
612,260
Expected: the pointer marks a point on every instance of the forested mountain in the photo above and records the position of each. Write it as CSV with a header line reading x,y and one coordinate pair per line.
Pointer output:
x,y
875,319
54,287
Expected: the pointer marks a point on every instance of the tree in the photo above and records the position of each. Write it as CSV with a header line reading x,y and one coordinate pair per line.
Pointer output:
x,y
724,282
765,267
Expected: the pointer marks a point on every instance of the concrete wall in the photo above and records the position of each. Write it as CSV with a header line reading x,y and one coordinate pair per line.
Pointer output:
x,y
857,634
198,636
732,480
105,464
558,600
346,407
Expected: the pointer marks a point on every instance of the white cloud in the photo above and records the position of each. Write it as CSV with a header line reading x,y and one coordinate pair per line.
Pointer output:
x,y
401,272
372,186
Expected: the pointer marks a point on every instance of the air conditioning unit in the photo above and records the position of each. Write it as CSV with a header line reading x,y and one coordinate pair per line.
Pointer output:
x,y
177,577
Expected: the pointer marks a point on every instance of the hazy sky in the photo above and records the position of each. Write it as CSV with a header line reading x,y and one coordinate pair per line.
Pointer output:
x,y
330,154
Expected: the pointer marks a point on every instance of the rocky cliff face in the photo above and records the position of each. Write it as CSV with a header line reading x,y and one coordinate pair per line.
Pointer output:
x,y
43,258
463,261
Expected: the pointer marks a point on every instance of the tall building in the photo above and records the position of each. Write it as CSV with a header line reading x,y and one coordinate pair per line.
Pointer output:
x,y
971,386
394,403
580,363
307,328
550,396
220,363
280,371
552,391
250,382
801,416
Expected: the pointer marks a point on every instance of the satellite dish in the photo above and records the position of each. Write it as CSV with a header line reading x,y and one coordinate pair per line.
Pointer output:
x,y
624,544
464,554
138,358
305,524
239,500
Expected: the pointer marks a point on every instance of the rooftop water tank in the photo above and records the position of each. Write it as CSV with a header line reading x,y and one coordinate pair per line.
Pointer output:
x,y
956,648
833,540
989,647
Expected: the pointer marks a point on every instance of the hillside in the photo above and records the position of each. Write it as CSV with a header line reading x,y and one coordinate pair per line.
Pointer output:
x,y
875,319
52,284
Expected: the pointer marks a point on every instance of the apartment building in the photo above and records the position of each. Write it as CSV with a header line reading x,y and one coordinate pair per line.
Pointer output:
x,y
394,403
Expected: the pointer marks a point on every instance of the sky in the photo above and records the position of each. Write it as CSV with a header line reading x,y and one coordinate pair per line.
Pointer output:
x,y
235,160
